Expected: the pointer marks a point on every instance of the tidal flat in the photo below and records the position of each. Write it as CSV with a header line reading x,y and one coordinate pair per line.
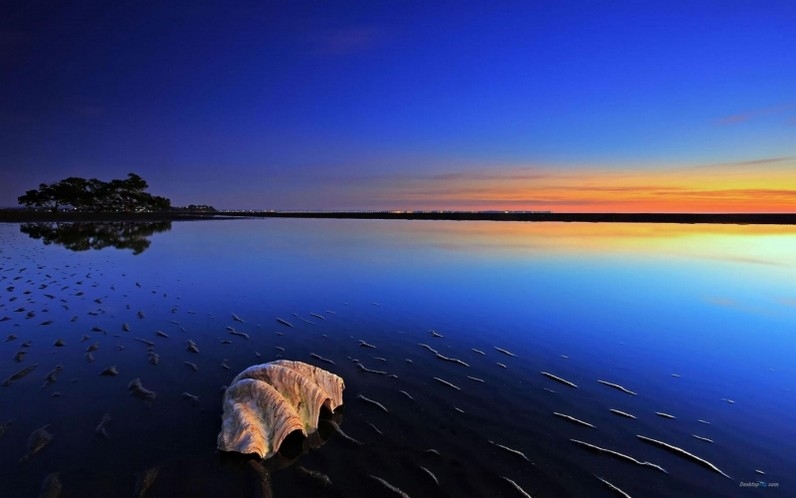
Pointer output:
x,y
479,358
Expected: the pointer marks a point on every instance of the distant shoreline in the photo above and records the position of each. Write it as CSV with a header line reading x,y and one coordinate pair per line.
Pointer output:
x,y
24,216
17,216
688,218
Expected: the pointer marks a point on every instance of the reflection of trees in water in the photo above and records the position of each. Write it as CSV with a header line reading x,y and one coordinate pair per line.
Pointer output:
x,y
82,236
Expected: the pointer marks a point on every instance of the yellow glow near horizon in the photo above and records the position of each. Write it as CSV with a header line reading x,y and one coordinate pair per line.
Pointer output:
x,y
754,244
754,187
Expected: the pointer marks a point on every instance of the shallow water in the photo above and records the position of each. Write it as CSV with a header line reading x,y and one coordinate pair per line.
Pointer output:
x,y
697,320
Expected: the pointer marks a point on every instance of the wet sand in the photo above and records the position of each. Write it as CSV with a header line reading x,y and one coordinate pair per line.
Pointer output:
x,y
476,440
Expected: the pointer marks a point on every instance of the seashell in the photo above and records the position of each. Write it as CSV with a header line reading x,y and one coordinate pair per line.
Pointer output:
x,y
267,402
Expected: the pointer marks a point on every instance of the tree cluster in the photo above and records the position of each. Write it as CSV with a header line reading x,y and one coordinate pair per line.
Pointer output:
x,y
125,196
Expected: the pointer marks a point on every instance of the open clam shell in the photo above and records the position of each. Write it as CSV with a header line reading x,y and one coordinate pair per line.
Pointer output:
x,y
265,403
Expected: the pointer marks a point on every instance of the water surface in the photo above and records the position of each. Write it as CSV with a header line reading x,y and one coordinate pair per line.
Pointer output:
x,y
697,320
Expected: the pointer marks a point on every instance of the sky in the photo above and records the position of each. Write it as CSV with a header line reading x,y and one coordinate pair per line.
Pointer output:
x,y
577,106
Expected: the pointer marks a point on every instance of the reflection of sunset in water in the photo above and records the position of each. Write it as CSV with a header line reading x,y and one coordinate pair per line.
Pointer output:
x,y
770,244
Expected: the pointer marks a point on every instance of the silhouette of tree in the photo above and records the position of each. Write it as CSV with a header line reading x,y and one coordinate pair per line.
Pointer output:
x,y
42,198
127,195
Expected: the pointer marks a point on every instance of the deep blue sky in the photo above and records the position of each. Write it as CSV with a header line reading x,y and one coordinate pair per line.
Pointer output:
x,y
402,104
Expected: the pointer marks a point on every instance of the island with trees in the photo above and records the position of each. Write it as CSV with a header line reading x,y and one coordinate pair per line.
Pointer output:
x,y
80,199
95,196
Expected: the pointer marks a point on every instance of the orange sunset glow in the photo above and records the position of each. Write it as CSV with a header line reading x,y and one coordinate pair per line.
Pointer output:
x,y
765,186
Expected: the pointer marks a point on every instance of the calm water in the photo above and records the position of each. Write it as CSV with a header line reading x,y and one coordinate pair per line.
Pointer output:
x,y
699,321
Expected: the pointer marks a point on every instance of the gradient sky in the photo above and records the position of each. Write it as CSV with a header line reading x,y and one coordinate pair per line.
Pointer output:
x,y
566,106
